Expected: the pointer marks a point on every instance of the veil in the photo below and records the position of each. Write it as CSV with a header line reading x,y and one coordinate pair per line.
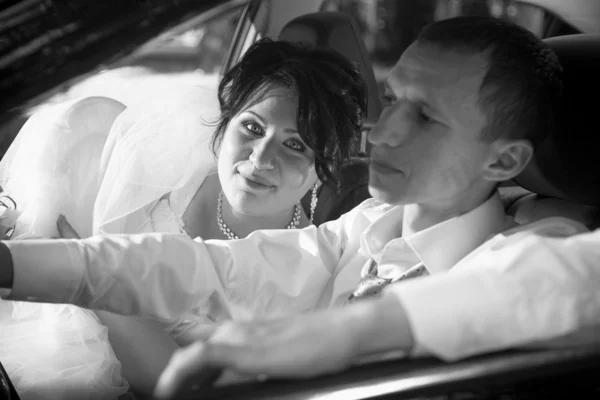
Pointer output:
x,y
151,151
57,351
52,165
88,158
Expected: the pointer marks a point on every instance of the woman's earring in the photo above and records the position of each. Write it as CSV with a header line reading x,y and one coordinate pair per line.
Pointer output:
x,y
313,202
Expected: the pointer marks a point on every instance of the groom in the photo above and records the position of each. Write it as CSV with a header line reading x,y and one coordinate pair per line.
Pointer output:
x,y
465,107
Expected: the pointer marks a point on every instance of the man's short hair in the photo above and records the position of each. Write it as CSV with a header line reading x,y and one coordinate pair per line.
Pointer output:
x,y
521,91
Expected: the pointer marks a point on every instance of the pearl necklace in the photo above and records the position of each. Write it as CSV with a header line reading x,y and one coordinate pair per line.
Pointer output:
x,y
229,233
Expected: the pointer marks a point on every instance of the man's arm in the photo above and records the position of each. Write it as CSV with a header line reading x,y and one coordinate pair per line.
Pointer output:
x,y
302,346
164,275
530,288
538,288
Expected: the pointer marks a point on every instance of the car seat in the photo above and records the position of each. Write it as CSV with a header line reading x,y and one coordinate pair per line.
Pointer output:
x,y
562,179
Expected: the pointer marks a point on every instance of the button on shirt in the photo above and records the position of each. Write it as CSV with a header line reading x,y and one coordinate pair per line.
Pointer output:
x,y
268,274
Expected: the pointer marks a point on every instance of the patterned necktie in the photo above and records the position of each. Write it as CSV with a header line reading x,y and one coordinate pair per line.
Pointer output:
x,y
371,285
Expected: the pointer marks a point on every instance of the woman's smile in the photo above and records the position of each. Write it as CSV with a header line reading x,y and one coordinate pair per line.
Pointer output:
x,y
255,183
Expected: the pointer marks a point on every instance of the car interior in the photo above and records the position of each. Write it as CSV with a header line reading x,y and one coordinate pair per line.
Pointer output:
x,y
563,180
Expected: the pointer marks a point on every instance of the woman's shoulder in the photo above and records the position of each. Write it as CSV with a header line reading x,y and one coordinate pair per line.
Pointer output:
x,y
181,199
162,218
170,212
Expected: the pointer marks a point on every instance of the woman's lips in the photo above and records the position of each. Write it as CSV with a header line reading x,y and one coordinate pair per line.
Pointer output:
x,y
256,182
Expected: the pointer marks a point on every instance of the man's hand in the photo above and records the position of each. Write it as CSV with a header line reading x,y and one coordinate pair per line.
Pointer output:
x,y
295,347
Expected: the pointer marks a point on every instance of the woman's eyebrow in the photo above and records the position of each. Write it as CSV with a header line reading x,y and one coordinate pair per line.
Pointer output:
x,y
261,119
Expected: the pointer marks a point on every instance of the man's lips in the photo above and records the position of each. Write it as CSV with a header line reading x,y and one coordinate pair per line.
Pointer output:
x,y
383,166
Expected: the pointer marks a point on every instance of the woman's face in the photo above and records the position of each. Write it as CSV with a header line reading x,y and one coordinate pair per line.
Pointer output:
x,y
264,165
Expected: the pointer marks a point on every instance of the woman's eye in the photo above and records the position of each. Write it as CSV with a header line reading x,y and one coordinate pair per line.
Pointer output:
x,y
297,146
253,128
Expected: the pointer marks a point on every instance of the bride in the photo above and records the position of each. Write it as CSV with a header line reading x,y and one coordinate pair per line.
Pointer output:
x,y
281,122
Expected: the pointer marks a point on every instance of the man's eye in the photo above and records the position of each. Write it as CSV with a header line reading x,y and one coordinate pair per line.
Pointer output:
x,y
253,128
388,99
297,146
424,117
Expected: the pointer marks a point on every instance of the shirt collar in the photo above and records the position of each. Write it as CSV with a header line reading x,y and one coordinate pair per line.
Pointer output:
x,y
441,246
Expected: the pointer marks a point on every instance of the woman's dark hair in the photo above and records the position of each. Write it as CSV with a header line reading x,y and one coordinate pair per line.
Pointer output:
x,y
331,93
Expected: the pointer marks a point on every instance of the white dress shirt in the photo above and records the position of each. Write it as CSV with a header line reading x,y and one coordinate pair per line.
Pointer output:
x,y
516,288
268,274
529,284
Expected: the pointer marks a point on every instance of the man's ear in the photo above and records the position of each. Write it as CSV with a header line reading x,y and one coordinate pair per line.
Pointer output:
x,y
507,159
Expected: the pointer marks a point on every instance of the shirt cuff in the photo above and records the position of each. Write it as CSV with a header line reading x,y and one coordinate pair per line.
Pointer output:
x,y
44,271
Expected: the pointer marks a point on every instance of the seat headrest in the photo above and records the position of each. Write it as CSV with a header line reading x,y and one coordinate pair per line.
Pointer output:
x,y
565,166
340,32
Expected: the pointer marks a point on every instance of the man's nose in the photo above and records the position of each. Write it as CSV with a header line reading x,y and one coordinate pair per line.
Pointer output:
x,y
263,154
392,128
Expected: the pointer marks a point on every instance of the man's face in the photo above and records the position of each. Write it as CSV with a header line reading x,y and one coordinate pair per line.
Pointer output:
x,y
427,145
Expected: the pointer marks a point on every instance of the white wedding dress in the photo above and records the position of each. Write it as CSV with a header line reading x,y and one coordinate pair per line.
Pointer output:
x,y
108,170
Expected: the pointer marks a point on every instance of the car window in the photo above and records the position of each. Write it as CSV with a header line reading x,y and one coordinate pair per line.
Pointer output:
x,y
188,54
201,48
389,26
